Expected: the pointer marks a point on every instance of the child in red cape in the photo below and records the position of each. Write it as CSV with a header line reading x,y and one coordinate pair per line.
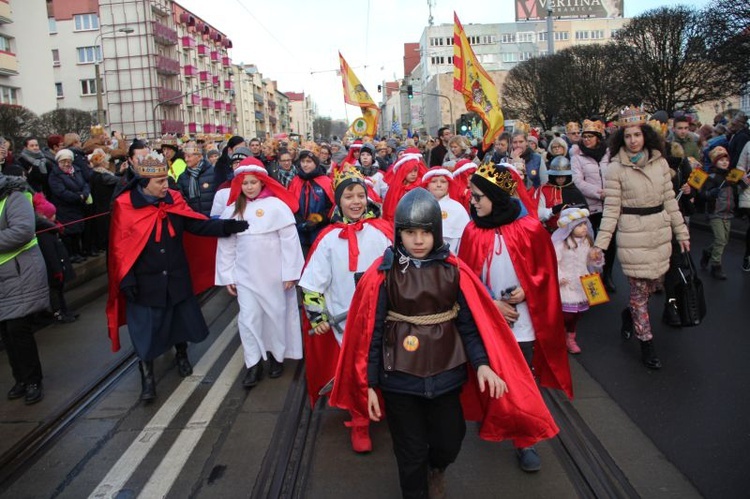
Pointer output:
x,y
404,175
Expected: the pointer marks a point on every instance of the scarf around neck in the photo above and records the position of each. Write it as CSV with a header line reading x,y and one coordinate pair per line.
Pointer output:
x,y
596,153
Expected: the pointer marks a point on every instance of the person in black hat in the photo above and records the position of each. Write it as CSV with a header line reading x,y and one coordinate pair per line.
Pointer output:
x,y
314,190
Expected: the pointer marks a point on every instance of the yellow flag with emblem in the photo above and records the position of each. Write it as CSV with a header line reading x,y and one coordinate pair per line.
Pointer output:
x,y
356,95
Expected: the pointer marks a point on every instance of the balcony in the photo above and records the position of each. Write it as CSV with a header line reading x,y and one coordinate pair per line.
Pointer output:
x,y
259,116
167,66
215,56
222,129
187,19
216,81
192,127
188,43
272,105
272,120
209,128
194,100
169,96
176,127
225,61
8,62
190,71
206,103
6,14
228,84
258,98
203,76
218,105
202,50
228,107
164,35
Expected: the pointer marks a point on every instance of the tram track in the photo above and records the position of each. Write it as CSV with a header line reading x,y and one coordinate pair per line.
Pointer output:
x,y
15,459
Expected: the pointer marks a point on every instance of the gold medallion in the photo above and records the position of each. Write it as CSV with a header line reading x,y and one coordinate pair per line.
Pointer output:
x,y
259,212
411,343
445,214
206,185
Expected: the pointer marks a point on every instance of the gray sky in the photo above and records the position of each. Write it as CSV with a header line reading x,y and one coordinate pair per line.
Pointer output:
x,y
296,42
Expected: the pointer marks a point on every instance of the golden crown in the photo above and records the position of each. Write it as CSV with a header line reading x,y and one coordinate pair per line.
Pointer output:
x,y
521,126
502,179
659,127
348,174
593,127
97,130
632,116
153,166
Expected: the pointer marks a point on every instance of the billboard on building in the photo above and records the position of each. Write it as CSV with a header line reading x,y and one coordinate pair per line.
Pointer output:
x,y
534,10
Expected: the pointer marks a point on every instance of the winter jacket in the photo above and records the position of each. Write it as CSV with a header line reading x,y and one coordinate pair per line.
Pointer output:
x,y
743,163
644,242
53,250
689,146
588,176
736,144
536,173
23,288
69,194
719,195
206,184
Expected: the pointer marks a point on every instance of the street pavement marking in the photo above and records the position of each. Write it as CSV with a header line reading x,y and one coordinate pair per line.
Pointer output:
x,y
165,475
124,468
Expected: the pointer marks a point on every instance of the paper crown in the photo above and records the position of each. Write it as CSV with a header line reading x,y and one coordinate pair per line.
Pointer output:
x,y
631,116
593,127
351,174
502,179
168,140
572,126
152,166
97,130
520,126
192,148
659,127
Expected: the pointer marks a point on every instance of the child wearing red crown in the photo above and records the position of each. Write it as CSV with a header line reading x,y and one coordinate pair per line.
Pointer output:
x,y
268,318
511,252
437,180
344,250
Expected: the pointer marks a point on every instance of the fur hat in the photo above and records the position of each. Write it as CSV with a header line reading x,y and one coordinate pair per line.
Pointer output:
x,y
716,154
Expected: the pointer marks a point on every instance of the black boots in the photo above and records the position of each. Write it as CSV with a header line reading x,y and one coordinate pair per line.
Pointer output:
x,y
148,383
627,324
648,355
718,273
181,359
275,368
254,375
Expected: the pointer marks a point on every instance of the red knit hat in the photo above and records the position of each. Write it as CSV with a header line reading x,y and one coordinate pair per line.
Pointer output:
x,y
43,207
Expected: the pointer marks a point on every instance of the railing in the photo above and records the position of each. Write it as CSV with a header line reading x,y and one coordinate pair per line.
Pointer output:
x,y
164,35
190,71
169,96
172,126
225,61
259,116
167,66
215,56
203,76
216,80
8,64
258,98
228,84
218,105
228,107
206,102
202,50
188,42
195,99
192,127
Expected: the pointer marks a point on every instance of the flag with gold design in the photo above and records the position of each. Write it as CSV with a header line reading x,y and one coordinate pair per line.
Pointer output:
x,y
356,95
476,85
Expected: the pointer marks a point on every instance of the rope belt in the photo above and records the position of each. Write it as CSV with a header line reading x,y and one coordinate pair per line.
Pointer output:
x,y
425,320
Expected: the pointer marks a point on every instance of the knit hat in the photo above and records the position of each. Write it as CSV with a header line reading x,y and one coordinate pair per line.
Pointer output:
x,y
43,207
241,153
305,153
64,154
368,148
717,153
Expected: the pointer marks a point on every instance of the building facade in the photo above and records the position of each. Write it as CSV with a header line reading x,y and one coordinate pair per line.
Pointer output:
x,y
302,112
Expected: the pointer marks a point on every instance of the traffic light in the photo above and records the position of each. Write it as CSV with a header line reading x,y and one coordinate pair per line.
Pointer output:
x,y
409,91
464,126
380,88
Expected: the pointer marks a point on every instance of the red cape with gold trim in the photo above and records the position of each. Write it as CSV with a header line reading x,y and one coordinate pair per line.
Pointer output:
x,y
519,415
129,232
535,263
322,350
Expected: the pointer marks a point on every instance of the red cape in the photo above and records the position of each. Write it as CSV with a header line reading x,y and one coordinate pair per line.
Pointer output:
x,y
295,187
520,414
129,232
535,263
322,350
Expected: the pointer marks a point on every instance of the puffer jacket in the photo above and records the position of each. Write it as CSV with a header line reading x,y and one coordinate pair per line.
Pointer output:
x,y
23,279
69,194
644,242
744,164
206,185
588,176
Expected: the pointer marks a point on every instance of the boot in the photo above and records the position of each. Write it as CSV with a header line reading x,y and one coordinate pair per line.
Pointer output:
x,y
253,375
609,284
627,324
705,257
648,355
570,342
360,436
181,359
148,383
718,273
275,368
436,483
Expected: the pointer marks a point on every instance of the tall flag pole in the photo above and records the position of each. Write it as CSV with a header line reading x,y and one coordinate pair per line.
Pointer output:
x,y
476,85
356,95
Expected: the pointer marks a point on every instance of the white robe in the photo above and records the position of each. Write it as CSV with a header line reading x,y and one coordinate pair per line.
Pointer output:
x,y
455,219
258,261
220,203
327,269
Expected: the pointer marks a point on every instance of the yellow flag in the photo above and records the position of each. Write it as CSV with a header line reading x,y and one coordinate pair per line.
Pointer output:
x,y
356,95
477,87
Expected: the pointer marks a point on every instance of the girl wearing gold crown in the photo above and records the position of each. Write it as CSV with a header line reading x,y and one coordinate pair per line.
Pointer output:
x,y
639,203
344,250
511,252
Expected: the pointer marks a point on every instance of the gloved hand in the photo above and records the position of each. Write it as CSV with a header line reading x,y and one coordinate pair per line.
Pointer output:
x,y
235,226
130,292
557,209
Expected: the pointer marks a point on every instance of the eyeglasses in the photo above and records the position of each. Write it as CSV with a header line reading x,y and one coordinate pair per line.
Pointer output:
x,y
574,133
477,197
588,136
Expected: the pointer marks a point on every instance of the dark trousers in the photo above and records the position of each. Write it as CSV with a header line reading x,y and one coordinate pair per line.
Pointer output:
x,y
57,297
426,433
20,345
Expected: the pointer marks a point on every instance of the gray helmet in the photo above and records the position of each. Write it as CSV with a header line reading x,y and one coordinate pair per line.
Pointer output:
x,y
560,165
419,209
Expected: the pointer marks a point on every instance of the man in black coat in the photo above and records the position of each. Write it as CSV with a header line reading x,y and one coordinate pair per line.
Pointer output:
x,y
198,183
437,153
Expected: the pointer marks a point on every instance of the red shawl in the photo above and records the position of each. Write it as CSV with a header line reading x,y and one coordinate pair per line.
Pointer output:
x,y
535,263
520,414
130,231
297,185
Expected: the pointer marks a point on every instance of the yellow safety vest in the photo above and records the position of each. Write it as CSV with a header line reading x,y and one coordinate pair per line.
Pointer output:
x,y
6,257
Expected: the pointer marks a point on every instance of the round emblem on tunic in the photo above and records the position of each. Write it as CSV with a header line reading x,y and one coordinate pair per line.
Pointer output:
x,y
259,212
206,185
411,343
445,214
533,172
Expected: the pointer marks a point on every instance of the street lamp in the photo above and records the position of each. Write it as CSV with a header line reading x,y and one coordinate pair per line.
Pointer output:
x,y
97,71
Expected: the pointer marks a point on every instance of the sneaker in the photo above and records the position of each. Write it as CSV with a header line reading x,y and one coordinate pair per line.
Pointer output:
x,y
746,264
705,257
64,318
528,459
361,442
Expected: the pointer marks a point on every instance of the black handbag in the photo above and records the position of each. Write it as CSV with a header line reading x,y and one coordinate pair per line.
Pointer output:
x,y
691,302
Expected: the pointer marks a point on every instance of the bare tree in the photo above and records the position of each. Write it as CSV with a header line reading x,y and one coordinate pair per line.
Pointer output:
x,y
726,26
65,120
322,126
16,123
530,92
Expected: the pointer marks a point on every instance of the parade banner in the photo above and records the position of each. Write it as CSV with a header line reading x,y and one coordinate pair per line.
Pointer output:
x,y
477,87
356,95
535,10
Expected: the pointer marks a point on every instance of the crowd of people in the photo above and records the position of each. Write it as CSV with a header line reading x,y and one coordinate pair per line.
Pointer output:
x,y
412,259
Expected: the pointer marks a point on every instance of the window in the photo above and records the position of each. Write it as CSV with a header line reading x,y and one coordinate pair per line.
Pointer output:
x,y
473,40
488,39
437,60
509,57
597,34
524,56
59,90
86,22
541,36
449,41
582,35
450,59
527,37
508,38
55,57
561,36
613,32
52,23
89,54
8,95
4,44
88,87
